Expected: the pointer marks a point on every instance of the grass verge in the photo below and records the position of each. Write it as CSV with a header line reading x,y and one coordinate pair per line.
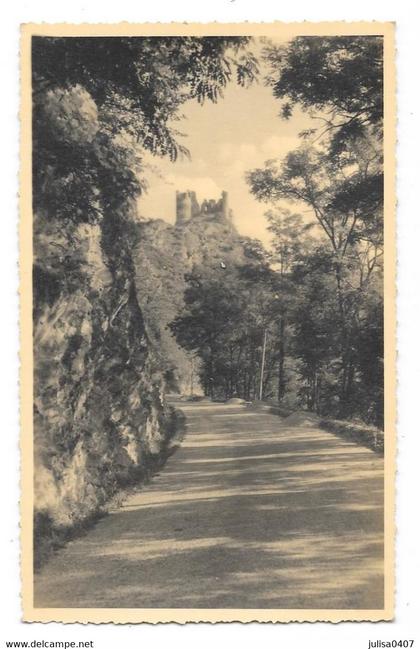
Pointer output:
x,y
358,432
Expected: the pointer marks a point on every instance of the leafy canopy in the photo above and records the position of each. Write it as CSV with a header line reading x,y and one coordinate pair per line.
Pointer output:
x,y
140,83
339,75
100,102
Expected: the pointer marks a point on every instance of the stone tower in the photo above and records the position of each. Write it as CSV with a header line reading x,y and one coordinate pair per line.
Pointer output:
x,y
187,207
225,205
183,207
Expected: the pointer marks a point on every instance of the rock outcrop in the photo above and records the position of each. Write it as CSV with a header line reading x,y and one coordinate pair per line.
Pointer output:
x,y
100,422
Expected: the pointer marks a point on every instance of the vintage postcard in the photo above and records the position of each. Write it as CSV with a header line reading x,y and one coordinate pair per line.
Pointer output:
x,y
208,322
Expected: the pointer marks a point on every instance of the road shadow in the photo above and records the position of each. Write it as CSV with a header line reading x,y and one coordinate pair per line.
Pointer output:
x,y
248,516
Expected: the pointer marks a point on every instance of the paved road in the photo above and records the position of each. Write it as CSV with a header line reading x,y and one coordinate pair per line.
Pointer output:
x,y
248,513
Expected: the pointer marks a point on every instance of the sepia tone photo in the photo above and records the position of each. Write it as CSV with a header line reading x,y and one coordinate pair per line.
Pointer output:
x,y
207,322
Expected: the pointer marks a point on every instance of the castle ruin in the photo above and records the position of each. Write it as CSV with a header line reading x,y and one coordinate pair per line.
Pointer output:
x,y
187,207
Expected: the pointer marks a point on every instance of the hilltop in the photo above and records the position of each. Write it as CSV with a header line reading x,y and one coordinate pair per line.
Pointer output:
x,y
203,237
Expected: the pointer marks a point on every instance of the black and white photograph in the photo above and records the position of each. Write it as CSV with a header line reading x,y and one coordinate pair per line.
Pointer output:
x,y
207,280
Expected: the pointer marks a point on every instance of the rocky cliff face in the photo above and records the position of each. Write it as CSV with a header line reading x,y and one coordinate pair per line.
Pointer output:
x,y
100,421
103,355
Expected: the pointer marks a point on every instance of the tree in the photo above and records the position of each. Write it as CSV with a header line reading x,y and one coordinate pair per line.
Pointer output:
x,y
291,241
337,79
337,172
100,101
350,224
223,322
212,311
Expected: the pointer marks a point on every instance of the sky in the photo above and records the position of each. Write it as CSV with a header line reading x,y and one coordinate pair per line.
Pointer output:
x,y
225,140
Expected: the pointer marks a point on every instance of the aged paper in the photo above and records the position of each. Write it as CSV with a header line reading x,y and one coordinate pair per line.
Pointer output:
x,y
203,399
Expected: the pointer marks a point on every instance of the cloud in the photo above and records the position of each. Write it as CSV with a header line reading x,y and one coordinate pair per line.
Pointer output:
x,y
278,146
239,159
205,186
226,151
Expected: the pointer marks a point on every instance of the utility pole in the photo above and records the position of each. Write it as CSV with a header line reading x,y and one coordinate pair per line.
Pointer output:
x,y
263,363
192,376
